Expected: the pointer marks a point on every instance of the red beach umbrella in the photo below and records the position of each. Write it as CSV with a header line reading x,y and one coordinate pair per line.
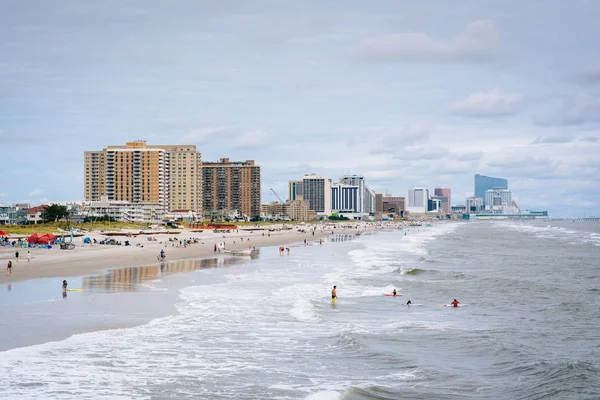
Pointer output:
x,y
2,233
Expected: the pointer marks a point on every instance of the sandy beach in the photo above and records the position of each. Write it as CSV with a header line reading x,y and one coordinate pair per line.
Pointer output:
x,y
88,259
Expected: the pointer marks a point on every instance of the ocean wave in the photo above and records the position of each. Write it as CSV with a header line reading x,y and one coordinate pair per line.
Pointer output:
x,y
552,379
412,271
323,395
370,392
429,260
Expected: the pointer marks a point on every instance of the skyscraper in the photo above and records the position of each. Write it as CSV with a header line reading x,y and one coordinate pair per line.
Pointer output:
x,y
418,200
357,180
231,186
139,173
445,196
316,190
345,198
484,183
294,190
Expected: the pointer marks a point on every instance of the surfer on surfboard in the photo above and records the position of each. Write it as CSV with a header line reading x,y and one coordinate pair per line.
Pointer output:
x,y
394,293
455,303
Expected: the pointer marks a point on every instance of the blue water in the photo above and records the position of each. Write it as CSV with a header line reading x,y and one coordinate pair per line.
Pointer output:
x,y
266,329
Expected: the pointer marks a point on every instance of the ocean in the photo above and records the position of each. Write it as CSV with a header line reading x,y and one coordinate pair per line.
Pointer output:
x,y
265,328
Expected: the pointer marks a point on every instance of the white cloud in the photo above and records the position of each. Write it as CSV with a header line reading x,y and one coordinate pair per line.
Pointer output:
x,y
3,194
253,139
573,111
36,192
422,153
552,140
479,41
591,75
207,134
410,134
492,103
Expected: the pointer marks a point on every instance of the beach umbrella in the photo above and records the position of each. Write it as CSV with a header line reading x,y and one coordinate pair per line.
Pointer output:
x,y
2,233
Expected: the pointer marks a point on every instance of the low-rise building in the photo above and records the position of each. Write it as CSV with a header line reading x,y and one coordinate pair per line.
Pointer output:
x,y
298,210
34,215
121,210
8,214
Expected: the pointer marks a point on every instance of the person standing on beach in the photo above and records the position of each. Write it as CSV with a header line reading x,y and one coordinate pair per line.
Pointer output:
x,y
9,268
64,287
17,255
28,256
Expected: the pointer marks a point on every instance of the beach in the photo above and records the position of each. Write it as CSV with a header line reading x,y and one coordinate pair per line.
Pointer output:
x,y
87,259
264,326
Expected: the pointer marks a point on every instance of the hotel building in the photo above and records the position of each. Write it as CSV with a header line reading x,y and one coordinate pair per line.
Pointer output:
x,y
316,190
345,198
231,185
445,196
484,183
418,200
168,175
294,190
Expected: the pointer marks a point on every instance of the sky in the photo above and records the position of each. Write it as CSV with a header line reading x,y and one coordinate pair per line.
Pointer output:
x,y
406,93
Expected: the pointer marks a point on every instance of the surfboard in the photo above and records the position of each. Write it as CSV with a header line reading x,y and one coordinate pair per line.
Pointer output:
x,y
75,290
391,294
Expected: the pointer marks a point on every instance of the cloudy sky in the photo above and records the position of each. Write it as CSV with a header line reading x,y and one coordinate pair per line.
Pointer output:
x,y
404,92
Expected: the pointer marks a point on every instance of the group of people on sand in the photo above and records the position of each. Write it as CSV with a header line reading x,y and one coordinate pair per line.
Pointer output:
x,y
9,265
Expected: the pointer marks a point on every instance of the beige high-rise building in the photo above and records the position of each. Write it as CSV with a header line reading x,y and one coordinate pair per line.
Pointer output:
x,y
139,173
231,186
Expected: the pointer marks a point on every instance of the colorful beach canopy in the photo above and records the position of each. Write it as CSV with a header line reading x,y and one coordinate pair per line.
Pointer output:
x,y
36,238
2,233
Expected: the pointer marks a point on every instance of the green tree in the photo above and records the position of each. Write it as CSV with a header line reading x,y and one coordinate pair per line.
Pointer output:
x,y
54,213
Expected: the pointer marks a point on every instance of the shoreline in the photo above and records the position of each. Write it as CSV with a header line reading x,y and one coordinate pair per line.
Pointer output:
x,y
87,260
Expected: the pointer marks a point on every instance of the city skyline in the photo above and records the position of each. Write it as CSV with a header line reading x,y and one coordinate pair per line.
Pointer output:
x,y
397,92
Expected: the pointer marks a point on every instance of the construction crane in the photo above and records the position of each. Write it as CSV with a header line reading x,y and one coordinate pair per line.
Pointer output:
x,y
276,195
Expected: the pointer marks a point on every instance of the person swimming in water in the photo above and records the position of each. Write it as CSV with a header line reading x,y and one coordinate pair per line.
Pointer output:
x,y
409,302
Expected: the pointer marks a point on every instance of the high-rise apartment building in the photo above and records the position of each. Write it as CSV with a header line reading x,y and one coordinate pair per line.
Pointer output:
x,y
445,196
140,173
231,186
316,190
418,200
484,183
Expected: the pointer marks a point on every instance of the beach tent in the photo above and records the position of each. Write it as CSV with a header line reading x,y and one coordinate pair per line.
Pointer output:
x,y
47,238
2,233
34,238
